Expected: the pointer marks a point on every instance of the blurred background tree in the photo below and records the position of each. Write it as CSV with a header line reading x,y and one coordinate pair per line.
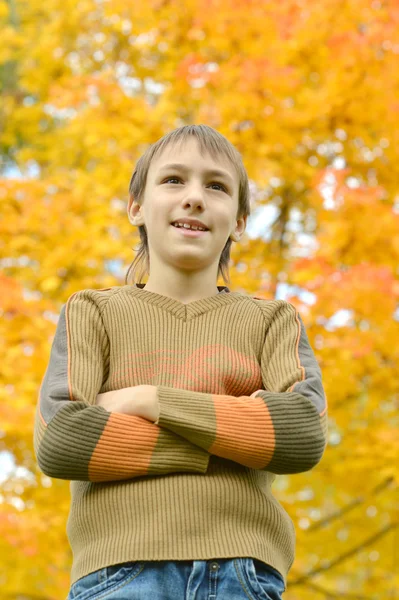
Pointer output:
x,y
309,94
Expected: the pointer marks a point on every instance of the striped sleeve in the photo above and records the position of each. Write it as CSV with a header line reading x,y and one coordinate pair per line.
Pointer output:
x,y
281,428
77,440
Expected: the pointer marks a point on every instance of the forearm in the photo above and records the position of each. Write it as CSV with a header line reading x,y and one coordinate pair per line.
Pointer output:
x,y
278,432
91,443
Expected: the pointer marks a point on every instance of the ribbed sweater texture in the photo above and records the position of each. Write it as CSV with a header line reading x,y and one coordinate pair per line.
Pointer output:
x,y
197,484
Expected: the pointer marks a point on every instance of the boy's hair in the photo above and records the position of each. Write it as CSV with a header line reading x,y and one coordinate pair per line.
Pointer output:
x,y
210,141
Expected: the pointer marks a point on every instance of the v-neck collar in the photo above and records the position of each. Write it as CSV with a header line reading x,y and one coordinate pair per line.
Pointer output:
x,y
181,310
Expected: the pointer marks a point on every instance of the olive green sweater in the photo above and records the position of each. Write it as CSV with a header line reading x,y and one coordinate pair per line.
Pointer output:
x,y
197,484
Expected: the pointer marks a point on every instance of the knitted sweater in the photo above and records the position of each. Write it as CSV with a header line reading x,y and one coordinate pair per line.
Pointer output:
x,y
197,484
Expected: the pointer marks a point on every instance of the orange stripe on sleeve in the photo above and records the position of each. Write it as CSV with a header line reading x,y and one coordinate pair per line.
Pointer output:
x,y
138,439
244,431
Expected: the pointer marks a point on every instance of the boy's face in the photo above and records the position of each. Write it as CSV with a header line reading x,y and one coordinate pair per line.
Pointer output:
x,y
173,193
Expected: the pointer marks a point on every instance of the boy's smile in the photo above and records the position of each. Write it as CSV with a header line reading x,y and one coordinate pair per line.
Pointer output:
x,y
190,232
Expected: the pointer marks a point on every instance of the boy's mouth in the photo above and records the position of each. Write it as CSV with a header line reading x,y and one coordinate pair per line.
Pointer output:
x,y
190,232
195,225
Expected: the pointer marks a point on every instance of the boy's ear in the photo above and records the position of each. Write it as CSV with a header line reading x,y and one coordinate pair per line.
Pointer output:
x,y
134,213
130,202
240,228
131,209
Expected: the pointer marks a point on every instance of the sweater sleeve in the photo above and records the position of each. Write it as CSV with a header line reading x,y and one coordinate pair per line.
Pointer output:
x,y
76,439
281,428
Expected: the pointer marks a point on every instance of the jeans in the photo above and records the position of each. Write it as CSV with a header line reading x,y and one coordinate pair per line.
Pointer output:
x,y
218,579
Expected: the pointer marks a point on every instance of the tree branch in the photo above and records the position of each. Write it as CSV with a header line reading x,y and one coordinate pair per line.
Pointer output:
x,y
352,504
329,594
329,564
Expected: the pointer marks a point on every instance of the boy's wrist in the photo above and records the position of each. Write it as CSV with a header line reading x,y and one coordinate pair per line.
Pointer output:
x,y
147,405
139,400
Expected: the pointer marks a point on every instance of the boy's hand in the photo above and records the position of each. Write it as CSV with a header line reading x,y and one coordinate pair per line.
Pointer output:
x,y
139,400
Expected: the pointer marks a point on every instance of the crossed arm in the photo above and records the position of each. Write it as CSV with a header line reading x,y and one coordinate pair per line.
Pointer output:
x,y
159,429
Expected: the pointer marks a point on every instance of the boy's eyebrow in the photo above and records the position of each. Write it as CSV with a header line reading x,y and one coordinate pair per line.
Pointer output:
x,y
211,172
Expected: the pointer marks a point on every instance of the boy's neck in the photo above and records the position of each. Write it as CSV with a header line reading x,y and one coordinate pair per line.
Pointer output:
x,y
186,297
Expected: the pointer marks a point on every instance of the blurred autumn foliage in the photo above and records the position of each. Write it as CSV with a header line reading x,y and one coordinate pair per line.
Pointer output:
x,y
309,94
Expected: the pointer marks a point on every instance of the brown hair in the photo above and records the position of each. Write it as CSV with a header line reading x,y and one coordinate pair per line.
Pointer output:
x,y
210,141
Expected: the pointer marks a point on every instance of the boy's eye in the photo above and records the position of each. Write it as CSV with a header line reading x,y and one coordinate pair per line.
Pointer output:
x,y
178,179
